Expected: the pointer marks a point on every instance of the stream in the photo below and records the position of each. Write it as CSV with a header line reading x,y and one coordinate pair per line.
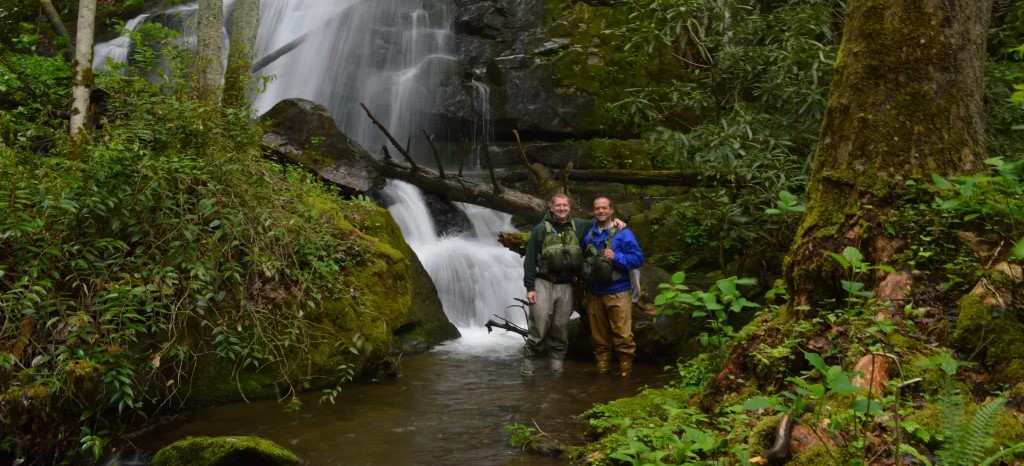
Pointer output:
x,y
449,406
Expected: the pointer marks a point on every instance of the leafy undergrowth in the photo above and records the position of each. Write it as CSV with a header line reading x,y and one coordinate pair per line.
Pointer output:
x,y
951,354
161,241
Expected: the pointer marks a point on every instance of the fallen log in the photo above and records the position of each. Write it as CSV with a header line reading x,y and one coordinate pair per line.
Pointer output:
x,y
635,177
295,123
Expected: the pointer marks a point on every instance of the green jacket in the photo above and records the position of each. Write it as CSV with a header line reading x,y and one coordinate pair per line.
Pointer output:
x,y
533,247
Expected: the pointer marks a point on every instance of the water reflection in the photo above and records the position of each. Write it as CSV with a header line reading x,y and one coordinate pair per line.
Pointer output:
x,y
449,407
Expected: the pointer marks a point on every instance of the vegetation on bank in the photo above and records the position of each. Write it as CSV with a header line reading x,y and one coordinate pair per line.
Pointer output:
x,y
161,261
945,331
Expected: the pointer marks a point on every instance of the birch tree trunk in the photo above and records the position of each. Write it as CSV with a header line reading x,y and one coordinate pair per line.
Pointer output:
x,y
906,101
245,23
211,25
82,66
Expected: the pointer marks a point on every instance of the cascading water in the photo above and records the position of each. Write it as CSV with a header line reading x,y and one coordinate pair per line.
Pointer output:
x,y
483,130
388,54
474,275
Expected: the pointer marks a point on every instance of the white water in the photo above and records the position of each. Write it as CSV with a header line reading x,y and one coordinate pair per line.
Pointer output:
x,y
483,131
389,54
475,276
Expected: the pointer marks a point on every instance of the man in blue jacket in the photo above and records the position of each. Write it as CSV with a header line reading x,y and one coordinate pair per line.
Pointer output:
x,y
610,255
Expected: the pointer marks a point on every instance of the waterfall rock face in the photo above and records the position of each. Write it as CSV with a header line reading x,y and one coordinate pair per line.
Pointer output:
x,y
505,44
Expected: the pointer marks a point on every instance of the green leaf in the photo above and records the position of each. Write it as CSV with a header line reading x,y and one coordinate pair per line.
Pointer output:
x,y
758,402
940,181
853,254
1017,252
815,360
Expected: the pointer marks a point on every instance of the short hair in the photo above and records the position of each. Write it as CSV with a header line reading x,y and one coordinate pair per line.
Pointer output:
x,y
610,204
551,202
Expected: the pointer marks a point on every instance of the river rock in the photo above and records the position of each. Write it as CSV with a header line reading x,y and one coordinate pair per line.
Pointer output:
x,y
224,451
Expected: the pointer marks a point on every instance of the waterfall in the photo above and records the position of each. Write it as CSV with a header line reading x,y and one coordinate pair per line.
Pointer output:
x,y
483,132
475,276
389,54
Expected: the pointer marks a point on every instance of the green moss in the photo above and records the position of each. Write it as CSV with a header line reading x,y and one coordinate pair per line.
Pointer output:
x,y
1008,429
763,434
224,451
598,64
817,456
85,378
999,337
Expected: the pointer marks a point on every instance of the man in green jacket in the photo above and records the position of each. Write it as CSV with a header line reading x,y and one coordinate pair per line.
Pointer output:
x,y
553,258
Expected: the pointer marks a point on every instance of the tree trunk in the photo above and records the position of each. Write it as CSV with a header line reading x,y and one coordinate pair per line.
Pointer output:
x,y
906,101
54,18
82,66
245,23
211,24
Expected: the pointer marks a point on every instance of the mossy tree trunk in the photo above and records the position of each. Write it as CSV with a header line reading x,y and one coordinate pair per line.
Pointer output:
x,y
245,22
82,65
906,101
211,23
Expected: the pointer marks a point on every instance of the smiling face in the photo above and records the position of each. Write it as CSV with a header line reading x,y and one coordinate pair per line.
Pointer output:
x,y
560,207
603,210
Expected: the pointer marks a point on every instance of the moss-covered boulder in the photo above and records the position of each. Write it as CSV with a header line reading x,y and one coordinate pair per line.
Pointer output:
x,y
995,335
224,451
377,317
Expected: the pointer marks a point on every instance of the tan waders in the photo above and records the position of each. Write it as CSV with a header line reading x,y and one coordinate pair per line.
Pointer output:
x,y
611,331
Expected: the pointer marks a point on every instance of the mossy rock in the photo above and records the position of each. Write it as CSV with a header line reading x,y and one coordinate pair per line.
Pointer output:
x,y
376,313
224,451
1003,350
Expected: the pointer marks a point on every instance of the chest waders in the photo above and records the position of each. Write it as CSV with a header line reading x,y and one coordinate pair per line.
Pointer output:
x,y
560,254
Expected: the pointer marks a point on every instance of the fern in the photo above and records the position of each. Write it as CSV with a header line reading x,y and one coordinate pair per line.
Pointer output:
x,y
966,438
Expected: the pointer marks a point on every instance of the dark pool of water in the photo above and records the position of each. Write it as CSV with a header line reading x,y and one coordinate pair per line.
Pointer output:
x,y
449,407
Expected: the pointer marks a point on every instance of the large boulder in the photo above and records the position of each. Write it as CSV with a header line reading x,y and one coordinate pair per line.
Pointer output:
x,y
306,134
224,451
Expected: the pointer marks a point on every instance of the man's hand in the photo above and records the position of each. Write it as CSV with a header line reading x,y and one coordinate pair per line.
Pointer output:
x,y
609,254
531,296
618,224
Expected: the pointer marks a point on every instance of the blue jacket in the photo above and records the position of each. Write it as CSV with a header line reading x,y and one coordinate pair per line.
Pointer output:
x,y
627,256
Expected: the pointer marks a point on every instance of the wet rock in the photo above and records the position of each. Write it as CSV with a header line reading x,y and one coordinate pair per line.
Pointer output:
x,y
224,451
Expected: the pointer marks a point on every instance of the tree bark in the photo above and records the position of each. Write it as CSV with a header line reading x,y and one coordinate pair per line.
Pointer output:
x,y
245,23
82,66
211,25
54,18
906,102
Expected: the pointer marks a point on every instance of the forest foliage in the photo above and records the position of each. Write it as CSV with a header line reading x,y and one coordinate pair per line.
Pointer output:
x,y
167,239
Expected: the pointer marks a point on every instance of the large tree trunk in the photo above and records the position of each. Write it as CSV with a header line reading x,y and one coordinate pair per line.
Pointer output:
x,y
82,66
245,23
211,23
906,101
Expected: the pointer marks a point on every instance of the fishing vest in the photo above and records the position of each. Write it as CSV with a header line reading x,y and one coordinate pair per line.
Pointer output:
x,y
596,269
560,252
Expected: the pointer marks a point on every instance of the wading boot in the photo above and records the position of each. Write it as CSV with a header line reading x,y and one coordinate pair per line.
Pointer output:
x,y
625,368
527,368
556,366
604,364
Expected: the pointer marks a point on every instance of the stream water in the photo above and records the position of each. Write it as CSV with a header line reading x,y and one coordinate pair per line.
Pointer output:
x,y
449,407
